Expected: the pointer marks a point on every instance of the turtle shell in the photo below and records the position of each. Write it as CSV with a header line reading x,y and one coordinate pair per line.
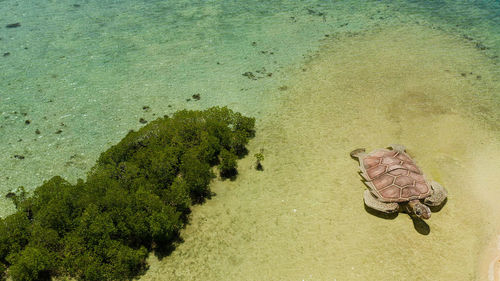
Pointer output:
x,y
393,176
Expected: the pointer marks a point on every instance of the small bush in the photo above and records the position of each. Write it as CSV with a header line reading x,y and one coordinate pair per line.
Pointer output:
x,y
259,157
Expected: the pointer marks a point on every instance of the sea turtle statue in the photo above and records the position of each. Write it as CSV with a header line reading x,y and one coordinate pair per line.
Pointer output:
x,y
396,183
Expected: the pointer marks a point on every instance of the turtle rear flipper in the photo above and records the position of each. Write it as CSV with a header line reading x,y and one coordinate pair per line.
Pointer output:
x,y
374,203
398,147
438,196
357,153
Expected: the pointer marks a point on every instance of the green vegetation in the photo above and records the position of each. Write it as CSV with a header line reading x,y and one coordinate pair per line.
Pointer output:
x,y
135,200
227,164
259,157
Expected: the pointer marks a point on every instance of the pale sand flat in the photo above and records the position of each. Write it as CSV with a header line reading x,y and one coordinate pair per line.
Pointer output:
x,y
304,214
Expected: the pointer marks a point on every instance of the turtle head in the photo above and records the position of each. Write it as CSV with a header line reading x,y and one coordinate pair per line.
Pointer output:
x,y
420,210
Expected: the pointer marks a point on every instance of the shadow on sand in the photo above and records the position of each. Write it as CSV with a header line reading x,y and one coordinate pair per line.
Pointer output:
x,y
419,224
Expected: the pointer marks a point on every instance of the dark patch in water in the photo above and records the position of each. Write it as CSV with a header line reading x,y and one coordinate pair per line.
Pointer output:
x,y
249,75
315,13
13,25
481,47
414,103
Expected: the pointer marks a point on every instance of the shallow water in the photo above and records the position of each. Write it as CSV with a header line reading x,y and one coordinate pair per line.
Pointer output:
x,y
303,217
344,75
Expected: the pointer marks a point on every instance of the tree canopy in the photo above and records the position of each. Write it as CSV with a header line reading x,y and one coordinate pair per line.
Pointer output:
x,y
134,200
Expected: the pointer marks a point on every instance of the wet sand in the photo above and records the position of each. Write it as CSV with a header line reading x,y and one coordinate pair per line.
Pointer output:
x,y
303,217
492,258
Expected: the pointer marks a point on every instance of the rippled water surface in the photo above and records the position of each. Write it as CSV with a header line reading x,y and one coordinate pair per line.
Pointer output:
x,y
321,77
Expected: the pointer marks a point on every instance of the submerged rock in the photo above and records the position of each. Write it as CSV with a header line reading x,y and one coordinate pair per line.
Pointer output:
x,y
249,75
13,25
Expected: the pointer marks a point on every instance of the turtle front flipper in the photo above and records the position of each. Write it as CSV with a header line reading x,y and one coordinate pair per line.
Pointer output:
x,y
374,203
438,196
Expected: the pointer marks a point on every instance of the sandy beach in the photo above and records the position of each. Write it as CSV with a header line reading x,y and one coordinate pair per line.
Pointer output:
x,y
494,265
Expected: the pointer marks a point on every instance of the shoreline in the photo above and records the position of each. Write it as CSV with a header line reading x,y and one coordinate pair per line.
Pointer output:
x,y
494,266
490,266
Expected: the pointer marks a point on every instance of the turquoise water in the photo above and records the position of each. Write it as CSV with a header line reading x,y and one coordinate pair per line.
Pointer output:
x,y
83,73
